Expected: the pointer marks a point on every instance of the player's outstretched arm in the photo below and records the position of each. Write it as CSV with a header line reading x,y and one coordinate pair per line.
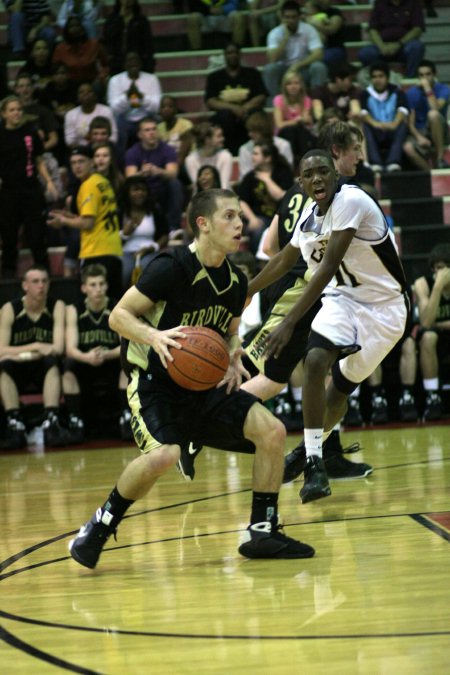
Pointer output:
x,y
337,245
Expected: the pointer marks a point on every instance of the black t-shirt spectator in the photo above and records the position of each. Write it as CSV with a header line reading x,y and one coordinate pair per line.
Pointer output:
x,y
19,149
247,78
254,191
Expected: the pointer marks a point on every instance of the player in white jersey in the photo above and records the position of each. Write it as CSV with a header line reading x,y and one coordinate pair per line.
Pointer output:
x,y
353,261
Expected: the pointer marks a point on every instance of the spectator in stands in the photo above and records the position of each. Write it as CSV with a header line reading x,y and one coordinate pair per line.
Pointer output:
x,y
157,162
76,122
208,178
60,93
428,103
233,93
144,227
175,130
384,110
21,196
262,189
88,11
209,150
105,164
433,299
86,58
31,344
262,17
329,23
260,128
93,356
132,95
208,16
292,114
126,30
39,64
96,219
35,113
99,131
29,20
339,92
293,45
395,27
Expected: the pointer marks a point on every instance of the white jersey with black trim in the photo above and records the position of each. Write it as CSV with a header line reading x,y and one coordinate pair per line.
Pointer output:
x,y
371,270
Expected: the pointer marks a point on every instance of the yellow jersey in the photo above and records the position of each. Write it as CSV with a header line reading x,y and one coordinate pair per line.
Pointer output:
x,y
96,198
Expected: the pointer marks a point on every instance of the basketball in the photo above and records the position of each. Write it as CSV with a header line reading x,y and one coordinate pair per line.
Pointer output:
x,y
201,362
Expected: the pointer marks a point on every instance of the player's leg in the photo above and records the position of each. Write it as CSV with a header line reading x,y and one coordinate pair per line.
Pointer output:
x,y
15,432
154,421
55,434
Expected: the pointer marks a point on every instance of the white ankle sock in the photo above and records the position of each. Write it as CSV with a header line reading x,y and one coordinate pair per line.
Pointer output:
x,y
313,442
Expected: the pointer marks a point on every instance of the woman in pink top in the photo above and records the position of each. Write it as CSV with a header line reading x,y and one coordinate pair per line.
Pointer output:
x,y
293,114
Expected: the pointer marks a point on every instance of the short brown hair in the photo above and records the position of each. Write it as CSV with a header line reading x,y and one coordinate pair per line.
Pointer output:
x,y
204,204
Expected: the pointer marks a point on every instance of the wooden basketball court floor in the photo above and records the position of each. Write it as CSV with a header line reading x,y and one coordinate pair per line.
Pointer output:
x,y
173,595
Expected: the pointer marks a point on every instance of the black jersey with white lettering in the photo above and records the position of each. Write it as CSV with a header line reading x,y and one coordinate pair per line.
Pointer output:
x,y
24,330
187,293
93,328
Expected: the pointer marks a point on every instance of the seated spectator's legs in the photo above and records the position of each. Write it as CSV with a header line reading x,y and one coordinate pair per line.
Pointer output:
x,y
334,55
396,141
17,32
432,346
412,54
194,30
315,75
369,54
127,135
372,137
238,28
272,74
437,126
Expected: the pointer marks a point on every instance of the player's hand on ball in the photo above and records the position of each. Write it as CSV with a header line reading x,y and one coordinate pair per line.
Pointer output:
x,y
161,340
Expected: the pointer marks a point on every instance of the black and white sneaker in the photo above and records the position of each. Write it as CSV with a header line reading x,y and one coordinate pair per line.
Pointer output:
x,y
379,410
433,407
90,540
55,435
337,466
407,408
316,483
353,417
264,540
15,434
185,464
75,427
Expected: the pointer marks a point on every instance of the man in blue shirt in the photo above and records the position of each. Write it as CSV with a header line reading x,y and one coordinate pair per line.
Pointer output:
x,y
428,102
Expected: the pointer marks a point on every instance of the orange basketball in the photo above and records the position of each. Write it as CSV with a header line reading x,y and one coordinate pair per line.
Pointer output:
x,y
201,362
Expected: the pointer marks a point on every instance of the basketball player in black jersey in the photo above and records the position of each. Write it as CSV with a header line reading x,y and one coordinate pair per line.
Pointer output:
x,y
194,285
93,355
31,345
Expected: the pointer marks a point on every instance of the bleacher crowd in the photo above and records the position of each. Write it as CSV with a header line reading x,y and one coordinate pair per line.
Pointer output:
x,y
97,158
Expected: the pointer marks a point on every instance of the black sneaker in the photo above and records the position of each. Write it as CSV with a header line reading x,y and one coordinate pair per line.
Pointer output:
x,y
294,463
75,427
379,410
407,408
316,483
264,540
126,433
15,435
90,540
185,464
54,434
353,417
337,466
433,407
